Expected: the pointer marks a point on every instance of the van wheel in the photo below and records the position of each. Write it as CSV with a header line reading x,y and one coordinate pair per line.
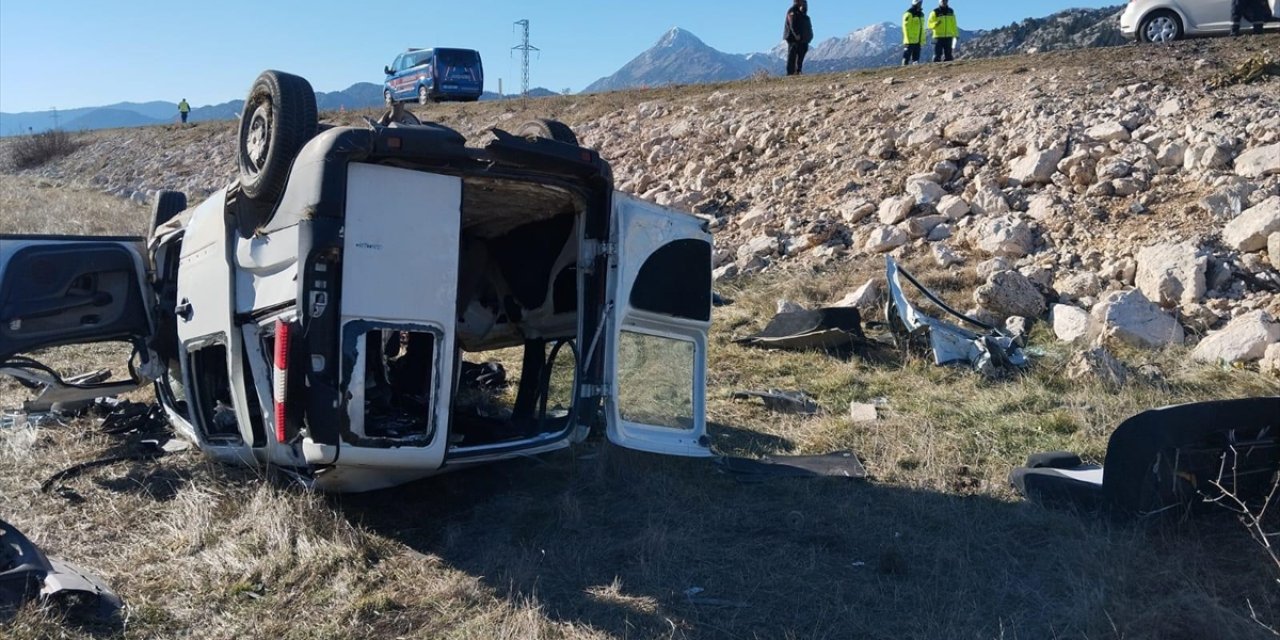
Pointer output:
x,y
167,205
386,98
1160,26
423,96
550,129
279,117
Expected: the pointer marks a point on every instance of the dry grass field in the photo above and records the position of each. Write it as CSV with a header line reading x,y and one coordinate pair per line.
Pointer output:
x,y
600,542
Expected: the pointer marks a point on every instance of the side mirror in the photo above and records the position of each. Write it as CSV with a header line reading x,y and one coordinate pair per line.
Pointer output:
x,y
386,70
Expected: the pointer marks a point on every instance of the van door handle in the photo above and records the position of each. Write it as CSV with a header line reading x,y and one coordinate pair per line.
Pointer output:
x,y
183,310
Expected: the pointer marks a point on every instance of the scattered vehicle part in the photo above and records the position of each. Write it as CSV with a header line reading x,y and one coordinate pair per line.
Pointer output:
x,y
27,573
841,464
832,328
990,352
59,395
273,321
1179,459
797,402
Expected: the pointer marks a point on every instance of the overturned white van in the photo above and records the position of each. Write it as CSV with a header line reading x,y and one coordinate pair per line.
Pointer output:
x,y
313,316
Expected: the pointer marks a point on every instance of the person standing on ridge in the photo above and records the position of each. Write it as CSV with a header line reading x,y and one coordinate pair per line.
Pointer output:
x,y
912,32
942,22
798,32
183,110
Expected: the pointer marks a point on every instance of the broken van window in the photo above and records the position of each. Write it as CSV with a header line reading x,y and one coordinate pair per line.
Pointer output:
x,y
397,382
212,390
655,380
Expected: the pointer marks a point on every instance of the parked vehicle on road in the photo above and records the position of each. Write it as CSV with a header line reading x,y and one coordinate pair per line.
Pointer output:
x,y
314,314
434,75
1169,20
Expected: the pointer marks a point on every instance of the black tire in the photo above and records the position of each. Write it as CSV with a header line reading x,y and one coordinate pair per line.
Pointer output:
x,y
424,97
279,117
386,98
1161,26
167,205
550,129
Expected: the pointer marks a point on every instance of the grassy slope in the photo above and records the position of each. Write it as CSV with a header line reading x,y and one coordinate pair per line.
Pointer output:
x,y
600,542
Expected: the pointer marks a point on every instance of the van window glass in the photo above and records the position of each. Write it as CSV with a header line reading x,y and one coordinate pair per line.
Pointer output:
x,y
655,380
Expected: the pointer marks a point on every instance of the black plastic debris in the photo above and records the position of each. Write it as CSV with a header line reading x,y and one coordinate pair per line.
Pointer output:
x,y
841,464
485,375
27,574
797,402
816,329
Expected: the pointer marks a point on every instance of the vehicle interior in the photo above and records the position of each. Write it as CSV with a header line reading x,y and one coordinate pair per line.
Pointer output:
x,y
516,323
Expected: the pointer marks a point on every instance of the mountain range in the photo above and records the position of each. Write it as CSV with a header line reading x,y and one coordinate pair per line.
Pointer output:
x,y
679,57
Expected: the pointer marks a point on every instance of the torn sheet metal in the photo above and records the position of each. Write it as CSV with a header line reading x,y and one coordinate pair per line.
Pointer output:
x,y
987,352
26,573
796,402
804,330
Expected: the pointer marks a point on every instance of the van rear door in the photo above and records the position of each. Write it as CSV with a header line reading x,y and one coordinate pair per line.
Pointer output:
x,y
660,292
61,290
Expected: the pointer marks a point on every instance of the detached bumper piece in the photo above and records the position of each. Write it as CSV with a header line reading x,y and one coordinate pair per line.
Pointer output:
x,y
834,328
1182,459
26,573
991,351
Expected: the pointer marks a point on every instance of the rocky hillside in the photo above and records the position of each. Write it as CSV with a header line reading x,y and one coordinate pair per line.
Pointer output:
x,y
1119,194
1070,29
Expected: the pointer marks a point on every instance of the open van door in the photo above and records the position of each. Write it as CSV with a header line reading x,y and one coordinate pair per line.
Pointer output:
x,y
62,290
656,358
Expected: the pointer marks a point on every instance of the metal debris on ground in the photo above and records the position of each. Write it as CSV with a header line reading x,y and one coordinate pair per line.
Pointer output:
x,y
797,402
26,573
832,328
841,464
991,351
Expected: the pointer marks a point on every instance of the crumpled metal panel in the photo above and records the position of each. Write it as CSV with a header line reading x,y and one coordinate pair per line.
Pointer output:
x,y
987,352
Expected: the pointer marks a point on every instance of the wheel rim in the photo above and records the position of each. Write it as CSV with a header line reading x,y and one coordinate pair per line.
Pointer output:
x,y
422,95
257,141
1162,29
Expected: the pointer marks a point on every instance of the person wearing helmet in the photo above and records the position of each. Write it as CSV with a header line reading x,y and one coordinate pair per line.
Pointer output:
x,y
912,32
942,22
798,32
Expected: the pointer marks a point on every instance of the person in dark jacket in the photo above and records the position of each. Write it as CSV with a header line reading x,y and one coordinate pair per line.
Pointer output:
x,y
798,32
942,22
912,32
1255,11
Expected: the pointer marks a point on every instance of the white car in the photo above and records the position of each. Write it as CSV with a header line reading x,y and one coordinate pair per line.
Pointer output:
x,y
313,316
1168,20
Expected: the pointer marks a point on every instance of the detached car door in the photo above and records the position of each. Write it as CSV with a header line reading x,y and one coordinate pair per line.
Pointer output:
x,y
656,357
60,290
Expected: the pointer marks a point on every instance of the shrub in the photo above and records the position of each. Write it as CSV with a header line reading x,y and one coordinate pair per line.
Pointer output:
x,y
35,150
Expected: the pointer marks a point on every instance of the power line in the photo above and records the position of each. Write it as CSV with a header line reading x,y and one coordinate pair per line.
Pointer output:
x,y
524,48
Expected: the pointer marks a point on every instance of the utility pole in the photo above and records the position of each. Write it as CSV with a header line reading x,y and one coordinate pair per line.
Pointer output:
x,y
524,48
55,117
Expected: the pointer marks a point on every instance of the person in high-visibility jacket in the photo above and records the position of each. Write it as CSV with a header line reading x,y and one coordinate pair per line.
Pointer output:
x,y
912,32
942,22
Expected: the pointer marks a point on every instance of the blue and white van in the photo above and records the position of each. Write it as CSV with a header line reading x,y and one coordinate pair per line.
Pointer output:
x,y
434,75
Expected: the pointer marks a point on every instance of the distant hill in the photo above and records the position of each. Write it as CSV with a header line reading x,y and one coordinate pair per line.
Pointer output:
x,y
362,95
679,57
1070,29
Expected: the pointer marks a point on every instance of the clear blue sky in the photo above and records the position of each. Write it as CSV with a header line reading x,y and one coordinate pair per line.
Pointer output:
x,y
77,53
